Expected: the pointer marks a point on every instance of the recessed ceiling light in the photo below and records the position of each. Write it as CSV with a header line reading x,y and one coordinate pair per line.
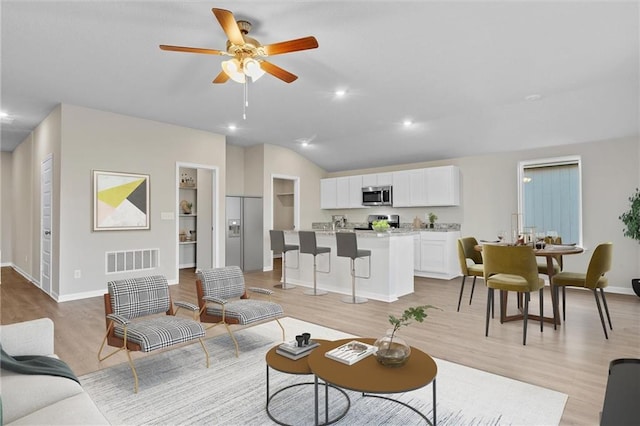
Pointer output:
x,y
232,127
3,114
407,123
533,97
340,93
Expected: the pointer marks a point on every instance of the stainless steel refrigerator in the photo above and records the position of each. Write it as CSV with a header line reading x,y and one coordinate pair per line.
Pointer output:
x,y
244,233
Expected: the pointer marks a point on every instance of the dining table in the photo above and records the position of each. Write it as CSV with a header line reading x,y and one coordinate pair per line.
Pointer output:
x,y
549,252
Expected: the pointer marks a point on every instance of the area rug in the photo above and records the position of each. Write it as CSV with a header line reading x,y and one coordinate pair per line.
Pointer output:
x,y
176,388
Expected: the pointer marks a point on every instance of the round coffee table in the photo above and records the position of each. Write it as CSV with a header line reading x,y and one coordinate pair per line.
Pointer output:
x,y
371,378
297,367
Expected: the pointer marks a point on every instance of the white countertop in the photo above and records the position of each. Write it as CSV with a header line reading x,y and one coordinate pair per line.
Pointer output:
x,y
366,234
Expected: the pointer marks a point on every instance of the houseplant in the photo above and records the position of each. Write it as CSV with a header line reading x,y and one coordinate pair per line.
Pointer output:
x,y
392,350
631,220
432,219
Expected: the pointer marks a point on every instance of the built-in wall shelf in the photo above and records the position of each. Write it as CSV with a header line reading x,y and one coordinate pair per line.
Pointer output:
x,y
188,187
182,243
285,194
188,215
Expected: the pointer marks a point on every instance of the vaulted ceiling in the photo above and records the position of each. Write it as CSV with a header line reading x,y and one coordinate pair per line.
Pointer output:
x,y
473,77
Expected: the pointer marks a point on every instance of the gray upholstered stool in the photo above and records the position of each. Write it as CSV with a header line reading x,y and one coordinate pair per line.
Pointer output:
x,y
278,246
308,245
347,246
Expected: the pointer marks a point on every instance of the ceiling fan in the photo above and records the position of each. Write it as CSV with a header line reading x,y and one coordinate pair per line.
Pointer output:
x,y
247,54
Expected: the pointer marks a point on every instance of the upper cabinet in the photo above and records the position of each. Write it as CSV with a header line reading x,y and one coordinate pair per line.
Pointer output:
x,y
433,186
341,193
328,193
377,179
442,186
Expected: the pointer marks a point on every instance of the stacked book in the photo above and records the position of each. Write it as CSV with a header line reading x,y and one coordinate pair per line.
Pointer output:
x,y
292,351
351,352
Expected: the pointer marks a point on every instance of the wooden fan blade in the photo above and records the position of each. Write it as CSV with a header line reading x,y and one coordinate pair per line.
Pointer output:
x,y
221,78
291,46
192,50
229,26
278,72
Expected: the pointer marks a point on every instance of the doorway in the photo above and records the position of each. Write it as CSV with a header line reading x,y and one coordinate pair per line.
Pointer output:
x,y
197,214
285,205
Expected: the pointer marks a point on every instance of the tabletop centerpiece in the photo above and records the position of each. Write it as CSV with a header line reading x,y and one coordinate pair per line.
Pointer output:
x,y
393,351
380,225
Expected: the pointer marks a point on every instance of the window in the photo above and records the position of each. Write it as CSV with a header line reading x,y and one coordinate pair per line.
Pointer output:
x,y
550,197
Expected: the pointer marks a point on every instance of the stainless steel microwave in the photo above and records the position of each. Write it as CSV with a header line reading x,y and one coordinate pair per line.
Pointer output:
x,y
377,196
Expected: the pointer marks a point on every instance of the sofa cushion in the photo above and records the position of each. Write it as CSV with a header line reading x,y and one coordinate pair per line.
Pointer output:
x,y
75,410
23,394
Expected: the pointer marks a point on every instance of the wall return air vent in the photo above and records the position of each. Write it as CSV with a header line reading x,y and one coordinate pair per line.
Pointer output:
x,y
131,260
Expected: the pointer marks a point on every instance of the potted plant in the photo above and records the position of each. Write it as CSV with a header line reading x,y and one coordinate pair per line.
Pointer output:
x,y
392,350
432,219
631,220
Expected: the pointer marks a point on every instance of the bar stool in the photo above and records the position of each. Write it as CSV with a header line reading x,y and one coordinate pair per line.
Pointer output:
x,y
308,245
347,246
278,246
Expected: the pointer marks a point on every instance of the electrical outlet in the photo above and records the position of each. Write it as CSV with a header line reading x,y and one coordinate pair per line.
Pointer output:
x,y
77,273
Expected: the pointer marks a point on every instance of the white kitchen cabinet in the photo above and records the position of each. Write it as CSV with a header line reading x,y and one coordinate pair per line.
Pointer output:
x,y
401,189
409,188
355,191
442,186
436,255
328,193
341,193
377,179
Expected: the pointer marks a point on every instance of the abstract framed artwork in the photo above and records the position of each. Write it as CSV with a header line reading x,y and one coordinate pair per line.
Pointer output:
x,y
120,201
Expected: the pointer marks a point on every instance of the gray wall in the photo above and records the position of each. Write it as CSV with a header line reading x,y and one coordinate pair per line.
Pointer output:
x,y
94,140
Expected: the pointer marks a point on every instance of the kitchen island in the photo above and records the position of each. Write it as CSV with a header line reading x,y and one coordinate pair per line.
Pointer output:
x,y
391,265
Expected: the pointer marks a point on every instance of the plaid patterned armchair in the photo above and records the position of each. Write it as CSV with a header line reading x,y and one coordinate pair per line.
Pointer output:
x,y
223,299
132,309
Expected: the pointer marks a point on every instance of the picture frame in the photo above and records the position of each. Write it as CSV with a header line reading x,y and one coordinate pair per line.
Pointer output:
x,y
120,201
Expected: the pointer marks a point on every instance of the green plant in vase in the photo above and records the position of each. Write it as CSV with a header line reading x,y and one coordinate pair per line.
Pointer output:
x,y
631,220
393,351
432,219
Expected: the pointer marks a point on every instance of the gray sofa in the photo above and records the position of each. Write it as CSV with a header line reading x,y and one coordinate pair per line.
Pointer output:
x,y
41,399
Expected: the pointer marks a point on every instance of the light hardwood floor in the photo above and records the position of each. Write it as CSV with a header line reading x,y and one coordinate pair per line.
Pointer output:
x,y
573,359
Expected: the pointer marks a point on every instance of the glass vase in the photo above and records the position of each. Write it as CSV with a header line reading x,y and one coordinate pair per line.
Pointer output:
x,y
392,351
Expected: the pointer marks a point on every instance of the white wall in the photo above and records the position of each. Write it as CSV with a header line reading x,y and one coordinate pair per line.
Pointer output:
x,y
6,210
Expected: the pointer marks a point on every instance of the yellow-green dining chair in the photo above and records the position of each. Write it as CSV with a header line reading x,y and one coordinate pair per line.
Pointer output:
x,y
593,280
512,268
470,264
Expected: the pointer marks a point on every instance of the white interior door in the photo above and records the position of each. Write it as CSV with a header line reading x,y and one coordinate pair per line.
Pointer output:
x,y
46,185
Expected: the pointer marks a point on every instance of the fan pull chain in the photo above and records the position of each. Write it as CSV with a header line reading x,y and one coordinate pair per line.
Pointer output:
x,y
246,100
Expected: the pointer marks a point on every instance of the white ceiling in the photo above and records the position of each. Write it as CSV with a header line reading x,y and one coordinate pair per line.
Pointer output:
x,y
459,70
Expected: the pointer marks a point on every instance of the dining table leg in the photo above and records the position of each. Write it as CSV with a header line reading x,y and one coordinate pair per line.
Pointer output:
x,y
554,294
